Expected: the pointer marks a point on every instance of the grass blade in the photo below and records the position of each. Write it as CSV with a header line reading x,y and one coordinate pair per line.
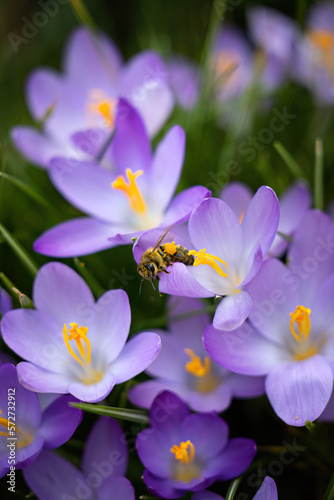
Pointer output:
x,y
20,252
120,413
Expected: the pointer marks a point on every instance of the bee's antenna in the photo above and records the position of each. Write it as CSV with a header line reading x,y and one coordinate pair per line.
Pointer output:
x,y
152,285
141,282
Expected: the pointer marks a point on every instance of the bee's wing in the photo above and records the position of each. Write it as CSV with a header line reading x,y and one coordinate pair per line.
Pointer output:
x,y
161,238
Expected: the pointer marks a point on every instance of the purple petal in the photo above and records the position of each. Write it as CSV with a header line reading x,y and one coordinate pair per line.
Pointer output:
x,y
238,196
137,355
328,413
182,205
33,145
188,317
167,165
311,255
119,486
5,302
75,237
36,379
162,487
268,490
92,60
33,336
94,392
167,412
25,455
43,87
321,16
207,432
111,317
106,451
180,282
144,393
243,386
300,391
51,477
206,495
214,226
130,129
236,457
274,296
61,294
232,311
144,84
184,78
261,219
59,421
243,351
91,141
216,401
87,186
257,258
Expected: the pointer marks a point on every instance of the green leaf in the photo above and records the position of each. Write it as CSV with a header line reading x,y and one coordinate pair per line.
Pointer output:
x,y
88,277
233,488
20,252
318,175
25,188
82,13
109,411
289,161
329,495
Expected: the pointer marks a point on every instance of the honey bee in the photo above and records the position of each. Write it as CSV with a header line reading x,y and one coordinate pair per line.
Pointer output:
x,y
156,259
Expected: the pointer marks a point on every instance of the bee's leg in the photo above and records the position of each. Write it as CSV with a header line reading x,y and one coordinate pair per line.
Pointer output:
x,y
167,259
160,252
164,270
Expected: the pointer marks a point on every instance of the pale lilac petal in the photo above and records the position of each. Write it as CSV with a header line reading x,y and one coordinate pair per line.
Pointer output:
x,y
261,219
33,336
144,393
62,294
76,237
39,380
94,392
300,391
120,487
87,186
238,196
214,226
321,16
322,312
216,401
51,477
111,318
106,449
35,146
183,203
232,311
167,165
274,296
181,282
184,78
43,87
91,141
328,413
59,421
144,84
311,254
130,129
236,457
255,264
243,350
268,490
172,353
137,355
6,303
92,60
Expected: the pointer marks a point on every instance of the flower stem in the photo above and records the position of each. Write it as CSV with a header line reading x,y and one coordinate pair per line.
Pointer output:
x,y
318,175
20,252
289,161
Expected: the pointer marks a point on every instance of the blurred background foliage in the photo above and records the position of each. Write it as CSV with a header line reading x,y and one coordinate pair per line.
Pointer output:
x,y
169,27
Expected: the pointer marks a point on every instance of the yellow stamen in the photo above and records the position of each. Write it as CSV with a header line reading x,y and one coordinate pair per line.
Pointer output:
x,y
208,259
301,317
101,104
225,64
241,217
23,437
324,40
184,452
170,248
79,335
131,190
195,365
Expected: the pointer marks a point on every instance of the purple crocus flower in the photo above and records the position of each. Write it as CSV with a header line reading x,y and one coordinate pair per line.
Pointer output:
x,y
85,96
314,60
203,384
124,204
231,64
72,344
101,477
26,428
227,255
290,334
186,452
275,34
5,301
293,204
268,491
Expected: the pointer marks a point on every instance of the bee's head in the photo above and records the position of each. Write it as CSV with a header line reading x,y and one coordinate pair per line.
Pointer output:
x,y
148,271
